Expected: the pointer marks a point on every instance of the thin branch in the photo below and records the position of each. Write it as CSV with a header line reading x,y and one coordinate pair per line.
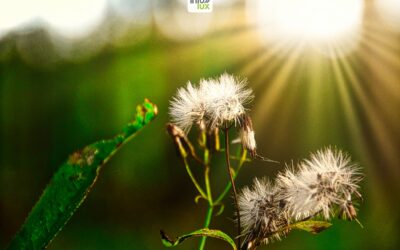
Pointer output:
x,y
228,164
196,184
228,186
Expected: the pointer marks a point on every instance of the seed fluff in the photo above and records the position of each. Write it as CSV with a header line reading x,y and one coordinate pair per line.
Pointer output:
x,y
263,215
328,180
187,108
214,102
225,98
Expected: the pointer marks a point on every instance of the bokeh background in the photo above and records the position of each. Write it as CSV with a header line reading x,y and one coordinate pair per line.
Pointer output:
x,y
71,72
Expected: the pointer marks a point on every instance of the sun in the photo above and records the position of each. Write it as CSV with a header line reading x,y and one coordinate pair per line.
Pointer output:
x,y
317,22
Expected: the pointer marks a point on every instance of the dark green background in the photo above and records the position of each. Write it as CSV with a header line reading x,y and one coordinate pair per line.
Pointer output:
x,y
48,110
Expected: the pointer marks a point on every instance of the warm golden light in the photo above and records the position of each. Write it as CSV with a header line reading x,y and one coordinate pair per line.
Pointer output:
x,y
314,22
389,11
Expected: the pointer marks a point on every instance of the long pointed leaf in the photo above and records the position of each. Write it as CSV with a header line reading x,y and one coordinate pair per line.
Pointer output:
x,y
71,183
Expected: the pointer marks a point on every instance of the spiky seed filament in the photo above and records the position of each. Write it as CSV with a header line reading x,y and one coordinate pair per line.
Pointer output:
x,y
326,181
187,107
226,97
215,101
262,214
328,178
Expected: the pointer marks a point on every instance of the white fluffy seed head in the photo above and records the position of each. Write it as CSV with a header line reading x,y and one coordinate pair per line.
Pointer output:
x,y
187,107
261,214
213,103
225,98
326,181
328,178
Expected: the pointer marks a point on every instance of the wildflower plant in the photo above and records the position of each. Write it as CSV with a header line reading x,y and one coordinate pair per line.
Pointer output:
x,y
321,187
214,105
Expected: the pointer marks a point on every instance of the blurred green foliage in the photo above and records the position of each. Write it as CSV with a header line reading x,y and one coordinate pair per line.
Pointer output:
x,y
72,182
47,112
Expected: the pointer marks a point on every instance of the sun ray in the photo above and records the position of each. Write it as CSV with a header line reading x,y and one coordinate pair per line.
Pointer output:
x,y
381,135
276,86
264,58
348,104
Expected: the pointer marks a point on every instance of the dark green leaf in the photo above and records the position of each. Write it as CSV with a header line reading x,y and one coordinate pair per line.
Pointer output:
x,y
71,183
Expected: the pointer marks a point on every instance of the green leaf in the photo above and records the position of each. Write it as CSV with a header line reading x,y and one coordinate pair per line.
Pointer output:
x,y
72,182
311,226
168,242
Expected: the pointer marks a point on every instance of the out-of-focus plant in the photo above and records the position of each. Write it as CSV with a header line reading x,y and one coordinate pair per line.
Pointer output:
x,y
269,210
71,184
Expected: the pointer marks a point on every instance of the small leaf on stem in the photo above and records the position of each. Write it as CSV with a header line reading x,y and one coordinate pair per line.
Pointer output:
x,y
168,242
311,226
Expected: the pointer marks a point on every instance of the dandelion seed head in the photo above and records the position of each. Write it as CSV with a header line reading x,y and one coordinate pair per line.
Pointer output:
x,y
187,107
328,178
261,214
214,102
225,98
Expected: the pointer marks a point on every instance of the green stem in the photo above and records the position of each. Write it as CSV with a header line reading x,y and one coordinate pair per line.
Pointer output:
x,y
208,186
206,225
196,184
208,190
228,164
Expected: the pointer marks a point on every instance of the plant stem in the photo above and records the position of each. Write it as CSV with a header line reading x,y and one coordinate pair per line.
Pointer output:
x,y
196,184
228,164
209,198
229,185
208,187
206,224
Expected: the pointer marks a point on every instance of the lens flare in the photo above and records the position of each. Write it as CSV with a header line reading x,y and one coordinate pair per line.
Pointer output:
x,y
315,22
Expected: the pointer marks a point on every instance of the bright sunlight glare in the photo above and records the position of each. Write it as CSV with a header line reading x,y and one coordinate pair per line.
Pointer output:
x,y
312,21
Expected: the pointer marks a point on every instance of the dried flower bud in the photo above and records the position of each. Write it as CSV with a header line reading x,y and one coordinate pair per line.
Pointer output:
x,y
247,135
348,211
202,125
213,141
182,143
